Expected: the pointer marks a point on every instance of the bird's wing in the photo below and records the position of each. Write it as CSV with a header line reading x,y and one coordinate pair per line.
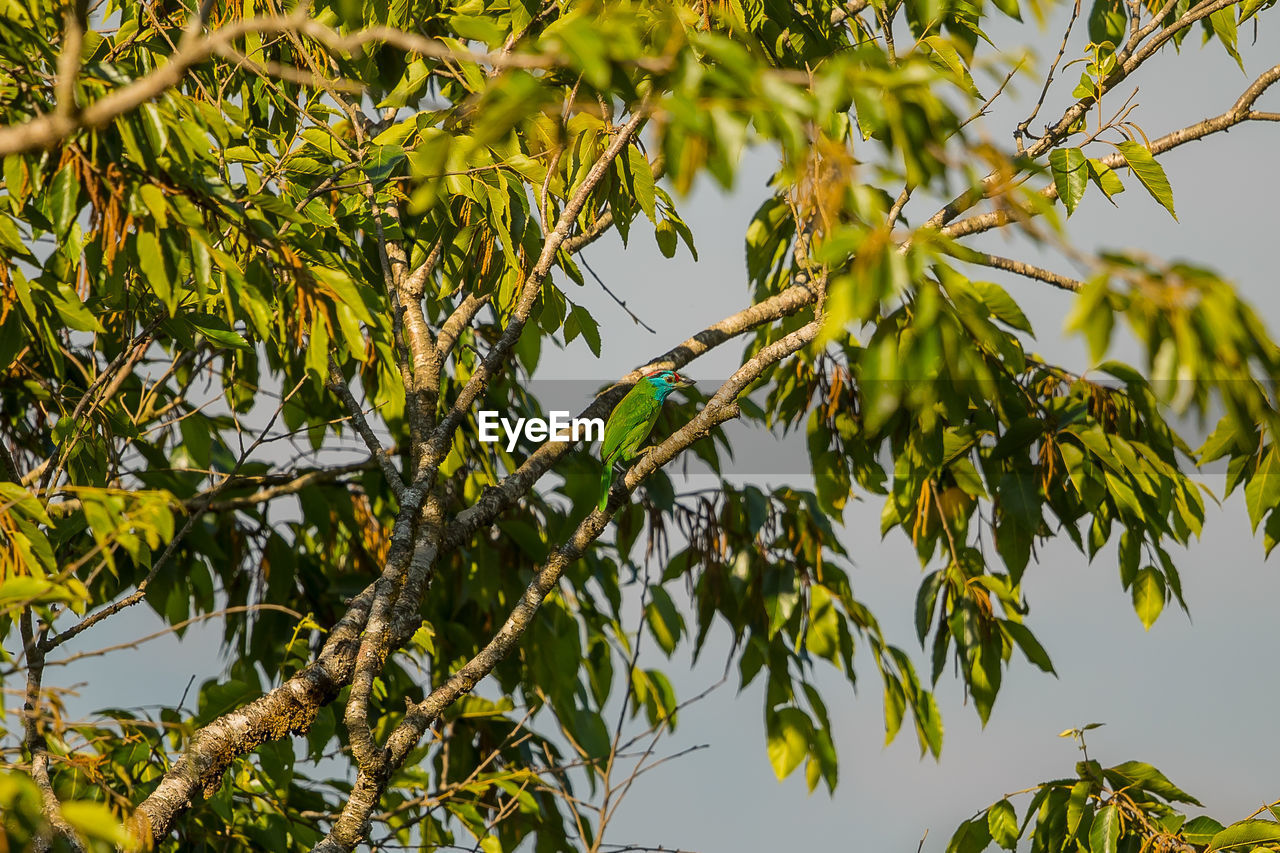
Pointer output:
x,y
628,425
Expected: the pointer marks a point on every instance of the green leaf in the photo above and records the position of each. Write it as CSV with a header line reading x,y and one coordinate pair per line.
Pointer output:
x,y
587,327
642,182
972,836
926,599
217,332
1070,175
654,689
1092,315
1076,803
1029,645
1223,22
20,499
16,175
1149,172
1263,490
344,290
151,259
665,234
1020,499
382,162
780,596
1149,779
1148,596
788,732
895,706
62,200
1105,830
1249,8
155,202
1105,178
72,311
11,239
1200,830
95,820
1001,305
1221,441
946,57
25,588
1010,8
586,49
1271,532
665,622
1108,21
1245,833
1002,821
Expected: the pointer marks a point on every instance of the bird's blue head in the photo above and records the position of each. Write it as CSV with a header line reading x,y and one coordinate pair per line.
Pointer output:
x,y
663,382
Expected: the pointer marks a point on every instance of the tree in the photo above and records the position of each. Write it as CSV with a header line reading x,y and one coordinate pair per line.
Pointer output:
x,y
227,226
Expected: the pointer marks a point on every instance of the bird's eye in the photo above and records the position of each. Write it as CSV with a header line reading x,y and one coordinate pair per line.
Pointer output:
x,y
669,378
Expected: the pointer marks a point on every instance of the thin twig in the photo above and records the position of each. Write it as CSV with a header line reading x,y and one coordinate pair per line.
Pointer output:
x,y
1022,129
338,385
614,296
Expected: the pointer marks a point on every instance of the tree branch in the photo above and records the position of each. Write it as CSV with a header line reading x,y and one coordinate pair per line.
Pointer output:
x,y
460,319
974,256
288,709
291,707
1241,111
48,129
350,827
339,386
35,743
992,183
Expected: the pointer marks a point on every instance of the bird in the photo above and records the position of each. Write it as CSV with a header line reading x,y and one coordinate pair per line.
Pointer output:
x,y
631,420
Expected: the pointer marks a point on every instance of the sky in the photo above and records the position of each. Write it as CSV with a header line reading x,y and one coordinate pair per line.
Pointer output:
x,y
1193,696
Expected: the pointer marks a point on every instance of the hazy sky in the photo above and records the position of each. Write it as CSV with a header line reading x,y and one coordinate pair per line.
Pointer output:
x,y
1196,699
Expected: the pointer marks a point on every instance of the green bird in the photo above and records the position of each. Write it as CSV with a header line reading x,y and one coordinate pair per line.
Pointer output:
x,y
631,420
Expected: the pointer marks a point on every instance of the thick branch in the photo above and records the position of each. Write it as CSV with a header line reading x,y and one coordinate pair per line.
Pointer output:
x,y
288,709
376,643
840,14
69,59
460,319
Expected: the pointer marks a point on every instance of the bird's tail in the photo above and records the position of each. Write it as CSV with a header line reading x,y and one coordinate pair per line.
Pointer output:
x,y
606,483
